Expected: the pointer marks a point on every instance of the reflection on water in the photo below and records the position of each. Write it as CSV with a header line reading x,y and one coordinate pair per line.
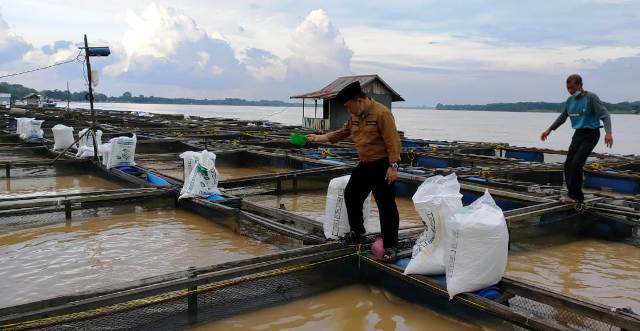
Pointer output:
x,y
355,307
59,184
517,129
601,271
246,170
175,169
312,203
93,252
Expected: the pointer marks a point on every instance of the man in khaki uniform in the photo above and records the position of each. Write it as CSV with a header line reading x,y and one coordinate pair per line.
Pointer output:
x,y
372,127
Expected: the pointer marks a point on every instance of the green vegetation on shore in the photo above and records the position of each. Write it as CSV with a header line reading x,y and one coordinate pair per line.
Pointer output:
x,y
549,107
18,91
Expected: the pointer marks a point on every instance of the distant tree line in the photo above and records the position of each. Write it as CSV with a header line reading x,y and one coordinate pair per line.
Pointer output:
x,y
18,92
620,108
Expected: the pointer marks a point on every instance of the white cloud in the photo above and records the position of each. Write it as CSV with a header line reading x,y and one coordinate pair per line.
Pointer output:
x,y
455,52
431,52
12,47
164,46
318,53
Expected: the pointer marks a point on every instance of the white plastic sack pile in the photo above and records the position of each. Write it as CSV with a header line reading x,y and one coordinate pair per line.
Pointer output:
x,y
105,150
189,159
122,152
33,129
477,243
202,179
435,201
62,136
21,123
85,145
336,220
29,128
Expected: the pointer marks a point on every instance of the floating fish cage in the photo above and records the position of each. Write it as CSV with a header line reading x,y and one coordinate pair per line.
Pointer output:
x,y
182,299
261,242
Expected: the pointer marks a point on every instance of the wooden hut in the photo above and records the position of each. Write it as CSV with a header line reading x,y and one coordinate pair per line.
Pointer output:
x,y
333,114
32,99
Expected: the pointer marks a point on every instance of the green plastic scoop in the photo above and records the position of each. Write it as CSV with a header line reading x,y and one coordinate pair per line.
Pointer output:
x,y
298,139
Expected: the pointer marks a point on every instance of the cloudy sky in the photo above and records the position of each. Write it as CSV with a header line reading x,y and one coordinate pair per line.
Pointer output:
x,y
429,51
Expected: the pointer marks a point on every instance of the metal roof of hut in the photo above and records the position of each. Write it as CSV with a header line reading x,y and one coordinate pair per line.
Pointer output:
x,y
330,91
31,96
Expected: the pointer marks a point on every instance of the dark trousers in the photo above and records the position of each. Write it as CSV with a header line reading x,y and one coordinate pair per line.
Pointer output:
x,y
365,178
582,144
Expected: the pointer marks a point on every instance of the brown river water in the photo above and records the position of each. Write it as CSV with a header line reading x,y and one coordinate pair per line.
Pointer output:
x,y
175,169
312,203
355,307
600,271
93,252
53,184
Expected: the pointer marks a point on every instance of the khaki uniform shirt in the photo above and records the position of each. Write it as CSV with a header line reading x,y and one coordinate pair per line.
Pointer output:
x,y
374,133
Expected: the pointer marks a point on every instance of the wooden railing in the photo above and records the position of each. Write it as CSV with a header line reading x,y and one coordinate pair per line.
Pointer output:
x,y
319,124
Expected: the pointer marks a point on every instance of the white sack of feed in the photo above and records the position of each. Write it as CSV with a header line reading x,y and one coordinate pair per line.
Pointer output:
x,y
21,124
31,129
123,150
189,160
336,220
87,140
203,179
105,150
436,200
477,242
62,136
85,144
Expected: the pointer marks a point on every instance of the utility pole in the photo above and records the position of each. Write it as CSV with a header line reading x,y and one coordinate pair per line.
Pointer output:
x,y
88,52
93,112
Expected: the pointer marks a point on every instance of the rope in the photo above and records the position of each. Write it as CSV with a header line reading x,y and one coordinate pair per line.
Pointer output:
x,y
266,118
42,68
431,286
113,309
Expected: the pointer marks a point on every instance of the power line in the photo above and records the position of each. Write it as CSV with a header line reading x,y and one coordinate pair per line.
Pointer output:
x,y
42,68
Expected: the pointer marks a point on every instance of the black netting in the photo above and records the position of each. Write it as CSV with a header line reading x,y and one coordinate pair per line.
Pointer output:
x,y
42,216
214,301
561,316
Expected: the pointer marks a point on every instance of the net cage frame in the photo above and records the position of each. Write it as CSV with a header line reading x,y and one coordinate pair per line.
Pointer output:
x,y
201,296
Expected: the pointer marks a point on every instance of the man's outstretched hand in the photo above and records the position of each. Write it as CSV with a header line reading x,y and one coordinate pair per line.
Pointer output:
x,y
392,175
545,134
608,140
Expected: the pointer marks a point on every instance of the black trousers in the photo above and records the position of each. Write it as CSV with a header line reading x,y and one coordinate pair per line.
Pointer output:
x,y
365,178
582,144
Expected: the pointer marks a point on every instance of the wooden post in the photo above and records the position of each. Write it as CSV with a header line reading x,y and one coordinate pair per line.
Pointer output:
x,y
192,299
295,184
278,186
67,209
8,170
93,113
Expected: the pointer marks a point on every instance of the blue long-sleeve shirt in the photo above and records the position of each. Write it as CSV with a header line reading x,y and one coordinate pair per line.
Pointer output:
x,y
584,112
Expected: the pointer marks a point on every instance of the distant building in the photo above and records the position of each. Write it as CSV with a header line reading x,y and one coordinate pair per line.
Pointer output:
x,y
333,113
5,100
32,99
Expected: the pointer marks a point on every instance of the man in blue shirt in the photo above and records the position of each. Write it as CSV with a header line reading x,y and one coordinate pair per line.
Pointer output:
x,y
585,111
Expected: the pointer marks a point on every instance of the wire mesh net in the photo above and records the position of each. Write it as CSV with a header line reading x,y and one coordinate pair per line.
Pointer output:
x,y
177,310
561,316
